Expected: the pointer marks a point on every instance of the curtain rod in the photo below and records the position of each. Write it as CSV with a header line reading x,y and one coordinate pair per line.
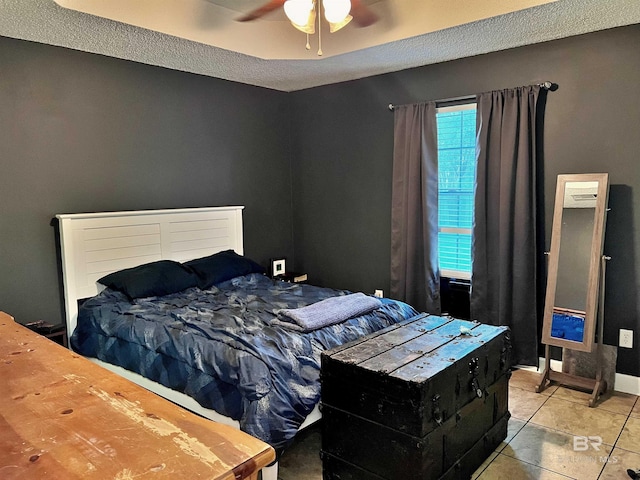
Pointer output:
x,y
547,85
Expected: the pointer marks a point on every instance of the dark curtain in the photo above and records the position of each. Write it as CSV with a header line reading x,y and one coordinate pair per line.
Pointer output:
x,y
415,275
504,285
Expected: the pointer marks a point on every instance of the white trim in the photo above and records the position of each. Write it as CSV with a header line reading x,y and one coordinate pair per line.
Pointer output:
x,y
622,383
627,384
472,105
459,274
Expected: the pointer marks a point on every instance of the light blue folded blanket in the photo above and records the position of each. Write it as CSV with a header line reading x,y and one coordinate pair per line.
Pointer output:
x,y
326,312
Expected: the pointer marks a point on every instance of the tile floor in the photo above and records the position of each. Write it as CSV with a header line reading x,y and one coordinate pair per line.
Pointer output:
x,y
540,441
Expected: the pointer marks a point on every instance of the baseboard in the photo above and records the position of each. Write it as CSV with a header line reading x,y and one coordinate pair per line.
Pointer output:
x,y
627,384
623,383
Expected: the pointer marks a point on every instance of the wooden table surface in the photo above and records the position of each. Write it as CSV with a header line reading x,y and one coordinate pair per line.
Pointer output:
x,y
63,417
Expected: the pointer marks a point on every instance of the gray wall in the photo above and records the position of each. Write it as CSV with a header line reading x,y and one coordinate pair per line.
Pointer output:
x,y
82,133
344,141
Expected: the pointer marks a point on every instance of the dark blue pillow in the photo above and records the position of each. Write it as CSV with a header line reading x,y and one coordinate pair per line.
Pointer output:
x,y
220,267
151,279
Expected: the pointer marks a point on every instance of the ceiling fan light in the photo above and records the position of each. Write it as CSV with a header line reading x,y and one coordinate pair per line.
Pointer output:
x,y
336,11
334,27
298,11
310,27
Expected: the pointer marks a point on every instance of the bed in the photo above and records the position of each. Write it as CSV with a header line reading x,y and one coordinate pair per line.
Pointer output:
x,y
219,349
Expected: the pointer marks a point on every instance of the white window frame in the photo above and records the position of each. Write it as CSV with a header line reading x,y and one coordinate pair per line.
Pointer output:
x,y
471,105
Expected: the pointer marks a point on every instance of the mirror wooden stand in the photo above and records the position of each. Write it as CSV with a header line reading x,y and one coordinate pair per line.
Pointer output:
x,y
574,302
597,386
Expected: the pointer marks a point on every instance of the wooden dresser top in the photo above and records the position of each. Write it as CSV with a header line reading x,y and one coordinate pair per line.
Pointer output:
x,y
63,417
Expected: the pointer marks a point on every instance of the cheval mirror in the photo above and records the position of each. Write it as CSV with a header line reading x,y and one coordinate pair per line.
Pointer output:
x,y
575,294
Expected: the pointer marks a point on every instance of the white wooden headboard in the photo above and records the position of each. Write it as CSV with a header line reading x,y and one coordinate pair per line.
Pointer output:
x,y
96,244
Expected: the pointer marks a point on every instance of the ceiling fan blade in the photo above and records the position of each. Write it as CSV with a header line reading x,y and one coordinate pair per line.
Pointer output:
x,y
363,16
261,11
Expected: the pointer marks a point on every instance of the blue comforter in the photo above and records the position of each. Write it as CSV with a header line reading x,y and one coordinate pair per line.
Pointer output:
x,y
221,347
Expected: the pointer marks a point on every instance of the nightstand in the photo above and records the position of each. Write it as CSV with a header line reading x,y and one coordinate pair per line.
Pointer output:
x,y
57,333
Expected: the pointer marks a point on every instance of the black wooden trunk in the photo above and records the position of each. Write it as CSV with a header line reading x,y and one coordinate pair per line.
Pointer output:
x,y
335,468
411,400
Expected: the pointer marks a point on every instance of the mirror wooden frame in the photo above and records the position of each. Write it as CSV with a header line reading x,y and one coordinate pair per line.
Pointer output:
x,y
596,251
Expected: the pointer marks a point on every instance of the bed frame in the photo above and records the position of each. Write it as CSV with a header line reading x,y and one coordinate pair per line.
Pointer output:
x,y
95,244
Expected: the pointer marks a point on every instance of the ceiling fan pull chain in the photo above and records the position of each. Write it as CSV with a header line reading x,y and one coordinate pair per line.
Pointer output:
x,y
319,29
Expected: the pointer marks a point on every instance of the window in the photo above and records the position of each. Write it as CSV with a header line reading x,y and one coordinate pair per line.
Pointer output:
x,y
456,181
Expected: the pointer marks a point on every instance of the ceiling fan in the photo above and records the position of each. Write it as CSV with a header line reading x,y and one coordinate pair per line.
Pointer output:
x,y
303,13
362,15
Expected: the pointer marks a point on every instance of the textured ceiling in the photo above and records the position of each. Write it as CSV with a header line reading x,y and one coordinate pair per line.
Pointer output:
x,y
46,22
214,22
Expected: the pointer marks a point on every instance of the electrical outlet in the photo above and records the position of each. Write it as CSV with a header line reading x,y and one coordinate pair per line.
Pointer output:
x,y
626,338
378,293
